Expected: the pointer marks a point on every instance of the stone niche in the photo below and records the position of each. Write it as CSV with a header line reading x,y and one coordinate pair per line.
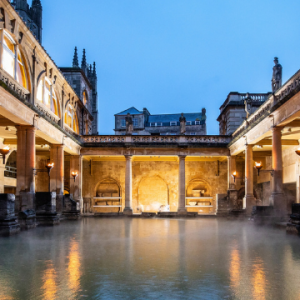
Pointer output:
x,y
8,221
199,197
108,197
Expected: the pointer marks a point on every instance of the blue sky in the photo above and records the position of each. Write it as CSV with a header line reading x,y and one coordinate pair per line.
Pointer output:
x,y
174,56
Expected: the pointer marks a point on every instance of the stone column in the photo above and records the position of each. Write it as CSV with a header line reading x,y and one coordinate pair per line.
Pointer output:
x,y
76,187
57,174
232,193
277,198
231,163
128,185
181,185
25,167
249,200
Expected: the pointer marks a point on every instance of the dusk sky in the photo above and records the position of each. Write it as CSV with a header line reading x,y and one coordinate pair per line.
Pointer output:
x,y
174,56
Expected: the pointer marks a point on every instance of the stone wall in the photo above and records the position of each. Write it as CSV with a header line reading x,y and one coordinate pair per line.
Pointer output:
x,y
155,183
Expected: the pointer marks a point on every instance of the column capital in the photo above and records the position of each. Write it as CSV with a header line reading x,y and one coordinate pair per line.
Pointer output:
x,y
128,157
182,156
25,127
277,128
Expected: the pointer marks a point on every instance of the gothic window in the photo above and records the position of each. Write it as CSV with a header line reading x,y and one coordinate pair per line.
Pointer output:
x,y
12,61
71,119
84,97
47,96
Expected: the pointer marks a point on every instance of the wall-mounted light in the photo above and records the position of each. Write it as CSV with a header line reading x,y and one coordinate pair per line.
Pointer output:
x,y
298,151
49,167
74,175
4,151
259,166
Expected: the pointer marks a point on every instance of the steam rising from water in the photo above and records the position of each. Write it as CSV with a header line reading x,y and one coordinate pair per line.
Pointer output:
x,y
150,259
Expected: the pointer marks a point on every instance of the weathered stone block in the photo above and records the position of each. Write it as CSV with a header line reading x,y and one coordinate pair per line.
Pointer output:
x,y
45,202
7,206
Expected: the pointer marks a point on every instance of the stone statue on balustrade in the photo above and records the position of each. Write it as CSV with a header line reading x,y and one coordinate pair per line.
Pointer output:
x,y
129,124
248,105
277,76
182,121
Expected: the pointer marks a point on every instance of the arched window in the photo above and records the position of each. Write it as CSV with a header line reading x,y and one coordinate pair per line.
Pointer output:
x,y
71,119
15,68
47,96
84,97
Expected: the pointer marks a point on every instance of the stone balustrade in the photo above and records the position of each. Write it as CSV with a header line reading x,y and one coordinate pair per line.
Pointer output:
x,y
163,140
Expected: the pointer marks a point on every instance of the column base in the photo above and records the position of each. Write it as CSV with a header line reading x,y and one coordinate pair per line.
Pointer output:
x,y
248,203
182,211
48,219
278,201
127,211
27,219
59,203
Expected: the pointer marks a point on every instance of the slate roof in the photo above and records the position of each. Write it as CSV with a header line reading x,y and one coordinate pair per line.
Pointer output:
x,y
167,118
131,110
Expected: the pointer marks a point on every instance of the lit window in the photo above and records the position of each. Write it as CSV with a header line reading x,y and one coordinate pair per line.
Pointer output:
x,y
15,70
188,123
197,122
47,96
71,119
84,97
135,122
173,123
123,123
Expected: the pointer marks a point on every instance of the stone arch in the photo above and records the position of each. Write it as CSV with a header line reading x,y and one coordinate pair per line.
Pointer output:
x,y
108,185
198,187
153,192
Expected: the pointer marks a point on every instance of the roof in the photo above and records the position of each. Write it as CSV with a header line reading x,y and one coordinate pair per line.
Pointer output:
x,y
175,118
131,110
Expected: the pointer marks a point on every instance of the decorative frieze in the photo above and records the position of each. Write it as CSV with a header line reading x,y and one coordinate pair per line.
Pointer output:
x,y
46,112
206,139
13,86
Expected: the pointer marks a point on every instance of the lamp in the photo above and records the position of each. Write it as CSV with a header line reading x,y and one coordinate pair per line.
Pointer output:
x,y
298,151
4,151
258,167
234,174
49,167
74,175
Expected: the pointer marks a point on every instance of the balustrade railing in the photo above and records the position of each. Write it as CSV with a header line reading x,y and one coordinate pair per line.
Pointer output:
x,y
10,172
146,139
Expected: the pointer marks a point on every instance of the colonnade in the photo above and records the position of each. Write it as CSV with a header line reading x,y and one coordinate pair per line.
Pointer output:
x,y
277,198
26,171
181,185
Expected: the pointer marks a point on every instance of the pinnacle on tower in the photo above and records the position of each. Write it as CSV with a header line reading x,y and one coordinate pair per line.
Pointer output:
x,y
83,63
75,59
90,71
94,70
36,3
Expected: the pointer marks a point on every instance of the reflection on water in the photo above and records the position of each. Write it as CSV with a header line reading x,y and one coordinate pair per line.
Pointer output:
x,y
49,287
150,259
74,267
259,280
234,270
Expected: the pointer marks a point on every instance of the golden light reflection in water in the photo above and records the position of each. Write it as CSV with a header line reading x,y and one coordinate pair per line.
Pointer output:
x,y
234,270
49,286
74,267
259,281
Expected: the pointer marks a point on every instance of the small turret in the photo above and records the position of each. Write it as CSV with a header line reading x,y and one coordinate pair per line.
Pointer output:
x,y
75,59
36,12
94,71
83,62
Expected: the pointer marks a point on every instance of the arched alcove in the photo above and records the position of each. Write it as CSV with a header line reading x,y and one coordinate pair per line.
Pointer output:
x,y
198,193
153,194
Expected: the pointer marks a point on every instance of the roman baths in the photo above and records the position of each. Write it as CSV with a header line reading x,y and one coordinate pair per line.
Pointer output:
x,y
158,210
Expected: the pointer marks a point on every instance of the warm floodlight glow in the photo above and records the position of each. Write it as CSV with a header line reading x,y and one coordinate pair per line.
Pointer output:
x,y
234,176
298,151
